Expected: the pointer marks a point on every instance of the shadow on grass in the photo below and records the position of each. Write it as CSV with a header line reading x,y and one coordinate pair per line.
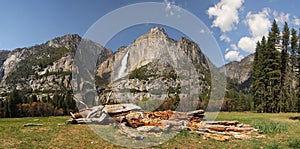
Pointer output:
x,y
295,118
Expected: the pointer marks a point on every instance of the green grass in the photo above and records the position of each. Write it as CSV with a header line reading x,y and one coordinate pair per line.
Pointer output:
x,y
280,131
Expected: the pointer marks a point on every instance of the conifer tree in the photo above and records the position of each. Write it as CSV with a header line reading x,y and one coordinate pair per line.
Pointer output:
x,y
298,75
259,84
272,70
283,67
292,71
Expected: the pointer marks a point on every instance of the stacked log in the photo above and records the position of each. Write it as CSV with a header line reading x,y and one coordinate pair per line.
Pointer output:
x,y
226,130
132,121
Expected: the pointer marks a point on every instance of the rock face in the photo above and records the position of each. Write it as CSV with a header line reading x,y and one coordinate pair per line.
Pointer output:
x,y
43,69
240,71
154,71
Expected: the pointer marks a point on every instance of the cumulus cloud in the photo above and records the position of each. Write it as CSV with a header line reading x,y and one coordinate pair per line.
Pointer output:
x,y
233,56
247,44
233,53
224,37
259,25
281,17
225,14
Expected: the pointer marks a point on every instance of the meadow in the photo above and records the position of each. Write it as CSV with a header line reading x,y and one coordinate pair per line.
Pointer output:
x,y
282,130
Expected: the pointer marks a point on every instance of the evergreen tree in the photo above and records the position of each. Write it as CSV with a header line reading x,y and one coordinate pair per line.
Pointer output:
x,y
256,71
12,100
272,70
292,79
294,46
258,77
298,75
283,62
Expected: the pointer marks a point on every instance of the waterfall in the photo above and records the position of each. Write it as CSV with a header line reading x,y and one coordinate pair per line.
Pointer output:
x,y
122,69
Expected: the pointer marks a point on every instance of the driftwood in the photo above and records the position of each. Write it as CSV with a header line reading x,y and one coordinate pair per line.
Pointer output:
x,y
98,113
32,124
130,132
132,122
226,130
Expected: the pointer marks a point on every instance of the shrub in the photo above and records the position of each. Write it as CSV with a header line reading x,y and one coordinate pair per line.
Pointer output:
x,y
270,127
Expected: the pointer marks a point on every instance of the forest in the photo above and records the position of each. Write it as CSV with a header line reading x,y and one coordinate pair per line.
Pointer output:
x,y
275,72
18,104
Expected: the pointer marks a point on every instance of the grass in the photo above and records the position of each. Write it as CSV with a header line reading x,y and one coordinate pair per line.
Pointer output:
x,y
280,131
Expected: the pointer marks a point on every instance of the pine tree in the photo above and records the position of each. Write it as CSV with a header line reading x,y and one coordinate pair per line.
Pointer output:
x,y
255,77
272,70
12,100
298,75
292,71
283,67
258,76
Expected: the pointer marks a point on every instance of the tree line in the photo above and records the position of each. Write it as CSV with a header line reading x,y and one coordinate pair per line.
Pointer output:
x,y
275,72
19,105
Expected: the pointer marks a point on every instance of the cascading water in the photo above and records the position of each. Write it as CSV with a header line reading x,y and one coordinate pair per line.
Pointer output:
x,y
122,69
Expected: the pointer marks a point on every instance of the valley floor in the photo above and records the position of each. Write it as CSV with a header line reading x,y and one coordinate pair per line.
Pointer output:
x,y
280,131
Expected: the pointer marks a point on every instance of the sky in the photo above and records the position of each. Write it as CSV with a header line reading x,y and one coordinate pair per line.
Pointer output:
x,y
236,25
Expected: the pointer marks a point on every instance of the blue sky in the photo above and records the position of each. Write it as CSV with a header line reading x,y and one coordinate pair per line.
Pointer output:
x,y
235,24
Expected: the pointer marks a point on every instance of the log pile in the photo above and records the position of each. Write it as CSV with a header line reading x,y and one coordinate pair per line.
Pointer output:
x,y
133,122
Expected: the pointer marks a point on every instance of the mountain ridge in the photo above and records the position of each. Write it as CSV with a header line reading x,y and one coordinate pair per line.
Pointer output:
x,y
152,68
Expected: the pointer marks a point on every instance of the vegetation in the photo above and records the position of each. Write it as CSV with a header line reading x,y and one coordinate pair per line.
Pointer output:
x,y
18,104
235,99
54,134
40,60
274,73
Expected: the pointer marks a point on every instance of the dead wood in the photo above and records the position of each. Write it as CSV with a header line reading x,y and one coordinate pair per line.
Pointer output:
x,y
132,121
130,132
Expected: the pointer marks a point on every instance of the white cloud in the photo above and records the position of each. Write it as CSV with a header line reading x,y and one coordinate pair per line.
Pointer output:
x,y
224,37
259,23
233,56
296,21
226,14
234,47
282,17
247,44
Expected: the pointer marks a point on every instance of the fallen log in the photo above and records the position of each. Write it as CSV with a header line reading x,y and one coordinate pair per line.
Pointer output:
x,y
212,136
130,132
149,129
121,108
132,121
